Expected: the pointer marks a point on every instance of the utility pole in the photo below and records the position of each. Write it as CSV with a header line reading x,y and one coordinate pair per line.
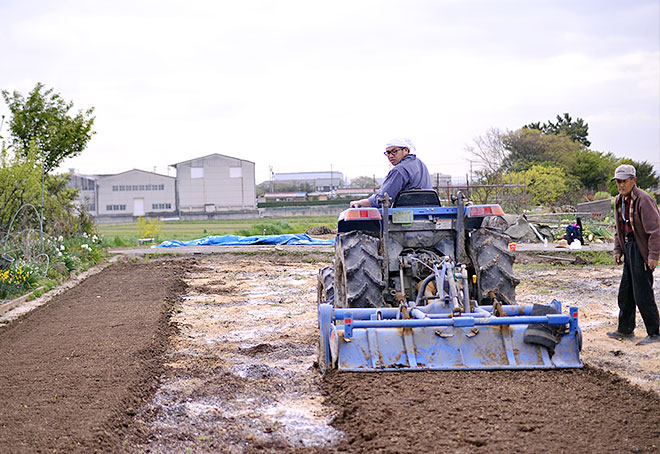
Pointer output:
x,y
470,161
331,179
272,175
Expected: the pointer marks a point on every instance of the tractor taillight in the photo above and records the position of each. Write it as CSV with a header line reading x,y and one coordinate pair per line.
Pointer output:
x,y
484,210
354,214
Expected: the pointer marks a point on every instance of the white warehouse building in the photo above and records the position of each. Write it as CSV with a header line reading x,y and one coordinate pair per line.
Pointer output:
x,y
136,193
214,184
210,187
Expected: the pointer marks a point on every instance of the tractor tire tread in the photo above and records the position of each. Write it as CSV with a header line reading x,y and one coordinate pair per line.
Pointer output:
x,y
358,278
493,262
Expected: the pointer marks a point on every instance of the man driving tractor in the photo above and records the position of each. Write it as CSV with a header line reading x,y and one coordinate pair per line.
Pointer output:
x,y
409,172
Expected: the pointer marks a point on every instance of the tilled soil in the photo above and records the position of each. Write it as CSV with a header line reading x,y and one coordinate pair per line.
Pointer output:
x,y
493,412
74,371
216,354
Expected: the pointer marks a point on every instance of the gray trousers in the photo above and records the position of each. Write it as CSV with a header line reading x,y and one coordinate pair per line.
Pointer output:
x,y
636,290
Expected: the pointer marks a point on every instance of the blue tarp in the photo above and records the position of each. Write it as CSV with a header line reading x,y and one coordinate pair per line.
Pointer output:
x,y
236,240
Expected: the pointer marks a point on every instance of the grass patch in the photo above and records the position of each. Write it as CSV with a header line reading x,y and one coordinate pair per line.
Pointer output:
x,y
599,257
592,258
126,234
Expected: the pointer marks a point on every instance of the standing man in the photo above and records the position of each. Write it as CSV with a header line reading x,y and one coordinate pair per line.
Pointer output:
x,y
408,173
637,239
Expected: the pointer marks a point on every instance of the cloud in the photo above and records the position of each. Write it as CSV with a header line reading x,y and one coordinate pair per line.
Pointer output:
x,y
301,85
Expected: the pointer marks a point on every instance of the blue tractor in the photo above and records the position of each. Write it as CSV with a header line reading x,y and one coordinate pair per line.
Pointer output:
x,y
422,286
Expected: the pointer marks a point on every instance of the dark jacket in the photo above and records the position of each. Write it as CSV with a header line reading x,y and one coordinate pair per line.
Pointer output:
x,y
645,223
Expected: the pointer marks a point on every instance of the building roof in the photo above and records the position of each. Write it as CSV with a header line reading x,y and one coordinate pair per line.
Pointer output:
x,y
90,177
136,170
208,156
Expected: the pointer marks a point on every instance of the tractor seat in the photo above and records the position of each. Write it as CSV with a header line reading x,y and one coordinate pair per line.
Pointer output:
x,y
417,198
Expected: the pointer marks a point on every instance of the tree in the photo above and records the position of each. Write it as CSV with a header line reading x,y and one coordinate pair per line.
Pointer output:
x,y
285,186
528,147
20,184
593,168
577,130
646,177
42,119
489,152
363,182
546,184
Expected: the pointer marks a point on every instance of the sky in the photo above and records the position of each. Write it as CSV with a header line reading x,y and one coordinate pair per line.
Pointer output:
x,y
304,85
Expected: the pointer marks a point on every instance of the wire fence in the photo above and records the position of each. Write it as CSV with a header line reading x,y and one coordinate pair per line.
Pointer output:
x,y
512,197
22,251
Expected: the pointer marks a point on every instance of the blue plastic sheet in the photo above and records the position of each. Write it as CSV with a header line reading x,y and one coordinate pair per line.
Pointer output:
x,y
236,240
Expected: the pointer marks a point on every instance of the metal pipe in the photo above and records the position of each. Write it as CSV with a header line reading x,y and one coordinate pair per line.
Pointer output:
x,y
422,288
441,284
461,255
401,278
416,313
479,313
364,313
463,322
453,291
466,290
385,229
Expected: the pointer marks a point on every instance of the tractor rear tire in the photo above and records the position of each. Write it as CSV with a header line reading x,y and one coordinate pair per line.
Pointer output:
x,y
358,270
326,285
493,264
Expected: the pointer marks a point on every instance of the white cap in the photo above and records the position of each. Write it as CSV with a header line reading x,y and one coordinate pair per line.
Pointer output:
x,y
402,142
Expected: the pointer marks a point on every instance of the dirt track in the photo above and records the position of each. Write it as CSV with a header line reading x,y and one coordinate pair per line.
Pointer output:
x,y
100,369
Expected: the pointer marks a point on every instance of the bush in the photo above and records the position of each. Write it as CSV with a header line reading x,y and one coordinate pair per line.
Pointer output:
x,y
148,227
16,279
270,228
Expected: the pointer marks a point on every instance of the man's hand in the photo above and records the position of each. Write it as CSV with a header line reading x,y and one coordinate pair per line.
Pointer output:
x,y
653,263
618,261
360,203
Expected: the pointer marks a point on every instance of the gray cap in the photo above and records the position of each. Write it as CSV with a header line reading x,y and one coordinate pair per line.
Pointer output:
x,y
624,171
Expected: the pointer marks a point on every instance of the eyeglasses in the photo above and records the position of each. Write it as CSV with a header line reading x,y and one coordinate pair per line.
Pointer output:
x,y
392,152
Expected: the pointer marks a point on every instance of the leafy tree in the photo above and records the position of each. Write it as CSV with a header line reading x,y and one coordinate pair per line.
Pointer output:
x,y
546,184
62,215
560,145
20,184
593,168
43,119
577,130
363,182
646,177
284,186
529,147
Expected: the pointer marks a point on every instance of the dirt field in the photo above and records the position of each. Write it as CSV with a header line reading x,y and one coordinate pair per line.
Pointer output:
x,y
215,353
